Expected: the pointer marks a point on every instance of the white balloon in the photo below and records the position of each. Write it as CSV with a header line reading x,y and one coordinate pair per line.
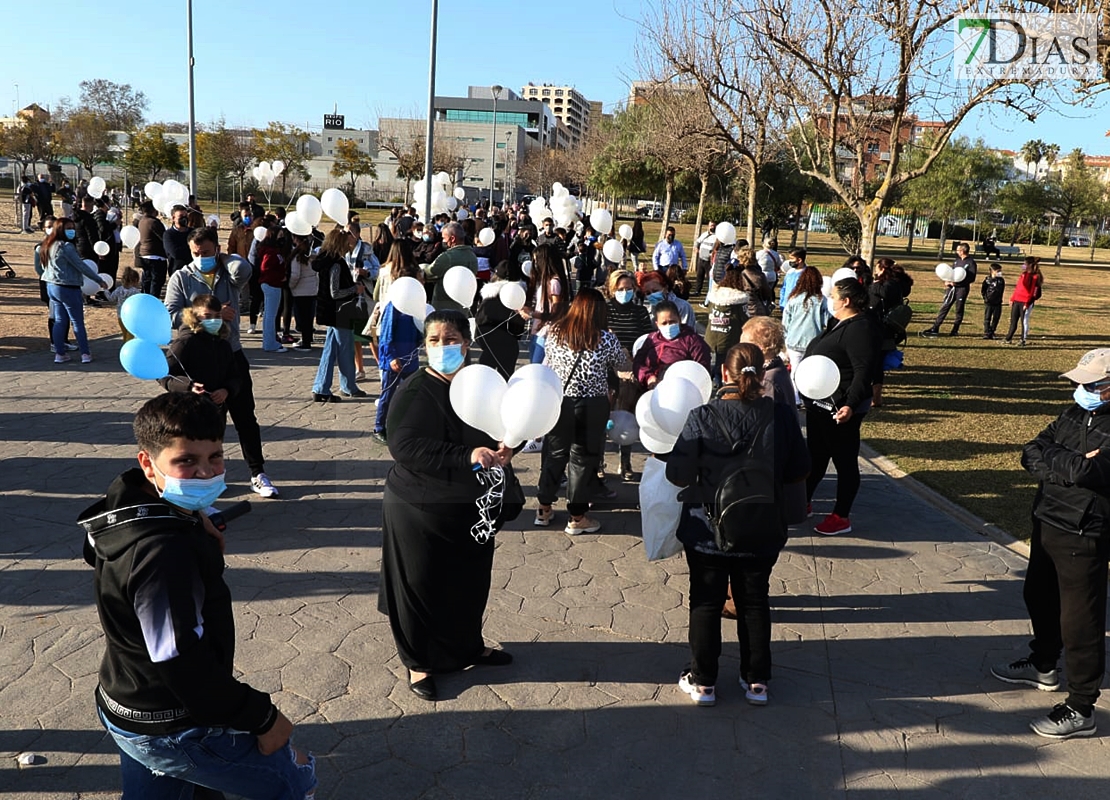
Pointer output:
x,y
88,285
430,309
309,209
529,409
441,178
101,248
460,285
257,173
817,377
636,345
96,187
625,231
944,272
264,168
613,250
476,393
601,220
645,418
451,202
725,233
260,233
826,286
958,274
672,401
693,372
277,167
538,372
486,237
844,274
526,268
108,279
459,193
297,224
657,441
462,213
152,189
174,188
334,204
407,296
558,190
513,296
623,429
129,236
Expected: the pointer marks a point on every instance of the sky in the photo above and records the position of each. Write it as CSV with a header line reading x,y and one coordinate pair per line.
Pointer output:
x,y
275,62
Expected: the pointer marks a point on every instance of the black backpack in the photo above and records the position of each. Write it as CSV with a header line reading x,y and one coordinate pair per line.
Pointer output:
x,y
896,320
744,514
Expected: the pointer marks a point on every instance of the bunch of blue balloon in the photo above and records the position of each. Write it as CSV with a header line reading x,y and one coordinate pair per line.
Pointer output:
x,y
149,322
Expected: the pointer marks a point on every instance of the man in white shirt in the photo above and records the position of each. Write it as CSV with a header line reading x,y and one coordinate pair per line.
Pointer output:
x,y
704,246
770,260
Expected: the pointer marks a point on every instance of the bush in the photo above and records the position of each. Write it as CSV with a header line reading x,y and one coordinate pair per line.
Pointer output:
x,y
1102,241
842,221
712,211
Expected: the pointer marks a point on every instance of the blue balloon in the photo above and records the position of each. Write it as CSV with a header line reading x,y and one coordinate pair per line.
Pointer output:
x,y
146,318
143,359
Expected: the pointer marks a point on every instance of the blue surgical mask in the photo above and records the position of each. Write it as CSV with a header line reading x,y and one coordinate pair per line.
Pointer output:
x,y
446,359
207,263
654,298
212,326
624,296
425,237
670,331
1087,399
191,494
248,219
71,234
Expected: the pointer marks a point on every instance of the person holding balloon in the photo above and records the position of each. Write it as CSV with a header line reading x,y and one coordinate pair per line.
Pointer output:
x,y
200,360
628,321
837,403
498,323
399,343
583,353
964,271
337,288
151,250
669,343
456,254
435,576
64,272
549,289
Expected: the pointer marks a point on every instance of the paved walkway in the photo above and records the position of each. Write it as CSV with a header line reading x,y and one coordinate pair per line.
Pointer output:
x,y
883,637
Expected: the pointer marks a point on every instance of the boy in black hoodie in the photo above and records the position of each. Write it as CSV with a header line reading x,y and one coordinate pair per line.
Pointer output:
x,y
994,292
167,693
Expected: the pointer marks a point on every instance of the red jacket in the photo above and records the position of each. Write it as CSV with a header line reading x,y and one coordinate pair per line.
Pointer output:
x,y
271,264
1027,289
658,353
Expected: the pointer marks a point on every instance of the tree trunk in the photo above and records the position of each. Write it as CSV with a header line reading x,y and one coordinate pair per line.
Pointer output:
x,y
943,236
752,187
668,192
1060,242
797,222
869,229
704,178
913,227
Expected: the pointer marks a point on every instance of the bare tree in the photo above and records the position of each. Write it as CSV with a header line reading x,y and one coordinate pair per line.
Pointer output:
x,y
404,140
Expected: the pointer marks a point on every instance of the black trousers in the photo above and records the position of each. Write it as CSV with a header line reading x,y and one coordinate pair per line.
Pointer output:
x,y
241,408
710,576
256,299
287,309
1065,594
701,270
1017,311
575,445
991,315
304,308
154,275
829,441
955,296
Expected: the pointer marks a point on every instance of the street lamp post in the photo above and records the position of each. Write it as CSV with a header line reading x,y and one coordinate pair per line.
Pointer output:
x,y
430,133
496,90
192,104
505,180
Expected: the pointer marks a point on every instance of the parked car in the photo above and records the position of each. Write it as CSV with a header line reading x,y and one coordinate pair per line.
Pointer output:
x,y
650,208
1079,240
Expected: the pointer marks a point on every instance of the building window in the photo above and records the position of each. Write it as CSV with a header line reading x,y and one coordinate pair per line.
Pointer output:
x,y
872,148
329,139
500,145
558,92
547,93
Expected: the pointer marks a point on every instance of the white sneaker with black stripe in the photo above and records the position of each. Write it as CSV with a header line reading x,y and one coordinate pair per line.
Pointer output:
x,y
262,485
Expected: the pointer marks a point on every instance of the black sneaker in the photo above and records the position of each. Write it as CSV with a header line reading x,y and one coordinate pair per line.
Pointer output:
x,y
1023,672
379,437
929,333
1063,722
355,393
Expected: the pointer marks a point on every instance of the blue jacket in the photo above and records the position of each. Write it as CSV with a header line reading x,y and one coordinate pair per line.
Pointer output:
x,y
789,281
399,339
65,268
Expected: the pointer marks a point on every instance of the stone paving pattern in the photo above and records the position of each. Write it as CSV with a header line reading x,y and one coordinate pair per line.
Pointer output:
x,y
883,637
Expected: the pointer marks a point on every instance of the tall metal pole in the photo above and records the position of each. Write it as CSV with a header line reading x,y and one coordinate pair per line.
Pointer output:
x,y
192,104
431,118
496,90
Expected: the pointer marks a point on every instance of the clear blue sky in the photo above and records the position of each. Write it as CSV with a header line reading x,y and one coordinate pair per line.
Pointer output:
x,y
275,62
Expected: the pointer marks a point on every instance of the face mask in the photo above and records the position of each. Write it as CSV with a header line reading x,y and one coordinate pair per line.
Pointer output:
x,y
71,234
654,297
446,359
1087,399
48,229
426,237
206,263
670,331
213,326
247,220
624,295
191,494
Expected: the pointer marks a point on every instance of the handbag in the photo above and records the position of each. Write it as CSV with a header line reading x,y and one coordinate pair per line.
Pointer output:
x,y
352,314
512,497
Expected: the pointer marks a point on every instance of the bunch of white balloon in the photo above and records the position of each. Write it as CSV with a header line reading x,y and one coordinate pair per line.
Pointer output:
x,y
167,195
661,413
525,407
266,172
445,197
950,274
564,207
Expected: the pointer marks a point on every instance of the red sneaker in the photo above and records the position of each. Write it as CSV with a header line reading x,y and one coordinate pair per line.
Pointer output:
x,y
834,524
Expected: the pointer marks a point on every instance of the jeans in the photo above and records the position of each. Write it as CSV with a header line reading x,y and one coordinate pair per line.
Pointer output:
x,y
577,439
171,766
68,305
839,442
538,350
1065,594
339,349
26,218
955,296
154,275
241,408
390,381
710,576
272,305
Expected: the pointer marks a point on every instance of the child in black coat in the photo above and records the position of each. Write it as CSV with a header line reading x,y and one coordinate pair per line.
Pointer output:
x,y
200,359
994,292
498,328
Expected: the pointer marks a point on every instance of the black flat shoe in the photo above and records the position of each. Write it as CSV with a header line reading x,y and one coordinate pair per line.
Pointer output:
x,y
425,689
325,398
496,658
355,393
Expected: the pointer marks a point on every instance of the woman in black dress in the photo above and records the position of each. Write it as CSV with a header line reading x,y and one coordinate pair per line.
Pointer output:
x,y
435,574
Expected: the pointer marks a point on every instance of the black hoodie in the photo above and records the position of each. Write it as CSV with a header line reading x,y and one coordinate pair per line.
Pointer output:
x,y
167,618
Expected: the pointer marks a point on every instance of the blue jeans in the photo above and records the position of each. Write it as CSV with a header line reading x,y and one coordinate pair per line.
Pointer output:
x,y
390,381
339,349
538,350
271,299
68,305
169,767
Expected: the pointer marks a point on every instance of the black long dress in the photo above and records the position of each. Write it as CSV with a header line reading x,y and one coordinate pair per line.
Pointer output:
x,y
435,577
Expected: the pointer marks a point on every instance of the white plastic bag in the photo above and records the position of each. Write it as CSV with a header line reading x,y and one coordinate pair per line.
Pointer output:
x,y
659,511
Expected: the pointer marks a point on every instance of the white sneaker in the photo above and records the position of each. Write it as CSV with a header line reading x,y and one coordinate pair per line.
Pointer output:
x,y
701,695
61,359
261,484
755,692
71,347
251,329
86,358
533,446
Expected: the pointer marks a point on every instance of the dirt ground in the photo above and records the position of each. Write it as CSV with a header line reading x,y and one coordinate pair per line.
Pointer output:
x,y
22,313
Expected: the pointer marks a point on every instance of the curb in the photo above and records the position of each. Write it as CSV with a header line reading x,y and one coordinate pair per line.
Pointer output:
x,y
973,523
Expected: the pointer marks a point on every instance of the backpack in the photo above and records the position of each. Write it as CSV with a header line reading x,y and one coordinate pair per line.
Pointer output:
x,y
744,511
897,320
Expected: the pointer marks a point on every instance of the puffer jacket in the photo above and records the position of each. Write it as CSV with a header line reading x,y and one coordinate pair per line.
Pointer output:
x,y
702,455
727,315
658,353
1074,491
